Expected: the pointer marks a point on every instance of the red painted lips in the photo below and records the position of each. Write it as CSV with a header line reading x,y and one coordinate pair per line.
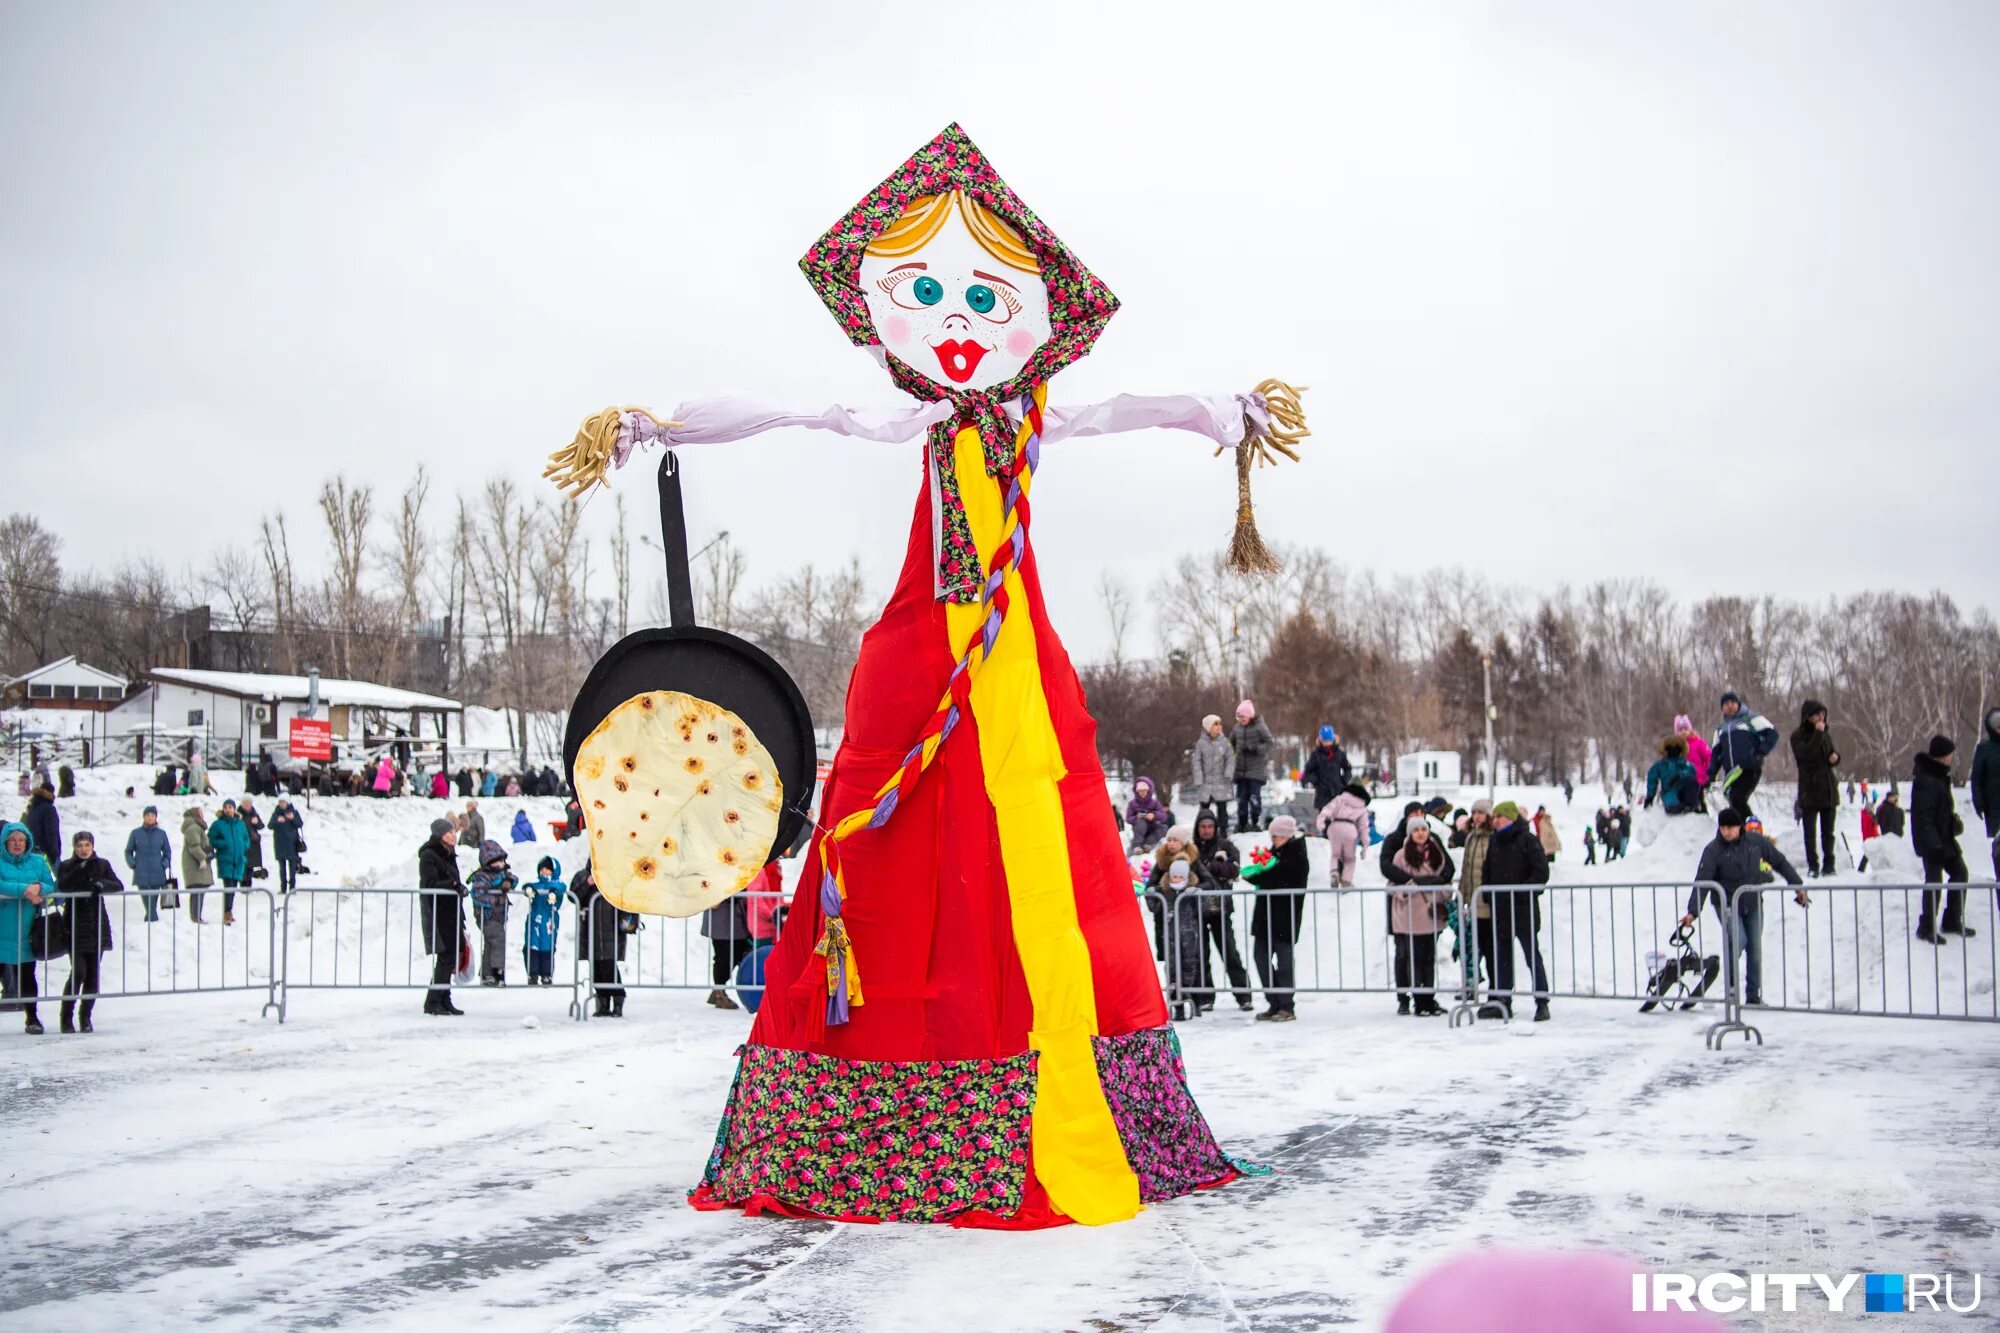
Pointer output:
x,y
959,359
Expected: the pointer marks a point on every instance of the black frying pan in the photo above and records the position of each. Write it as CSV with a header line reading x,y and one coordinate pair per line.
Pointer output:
x,y
708,664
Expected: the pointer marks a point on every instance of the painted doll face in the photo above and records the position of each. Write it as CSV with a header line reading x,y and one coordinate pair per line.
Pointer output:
x,y
953,312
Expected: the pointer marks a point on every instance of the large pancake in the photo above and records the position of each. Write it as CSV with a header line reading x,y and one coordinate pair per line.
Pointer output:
x,y
680,800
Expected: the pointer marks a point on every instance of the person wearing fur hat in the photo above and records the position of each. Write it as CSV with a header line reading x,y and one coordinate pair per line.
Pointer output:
x,y
1253,743
1181,881
1986,783
1175,845
1415,918
1327,770
1819,787
1934,830
1145,817
490,887
1279,915
1343,822
1214,762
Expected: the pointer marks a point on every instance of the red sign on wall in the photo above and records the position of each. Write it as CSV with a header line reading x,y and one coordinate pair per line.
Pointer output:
x,y
311,738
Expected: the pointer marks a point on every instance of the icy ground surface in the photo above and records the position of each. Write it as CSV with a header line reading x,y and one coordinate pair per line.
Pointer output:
x,y
363,1166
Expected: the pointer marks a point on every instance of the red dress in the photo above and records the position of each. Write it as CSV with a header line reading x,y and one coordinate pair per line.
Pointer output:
x,y
879,1117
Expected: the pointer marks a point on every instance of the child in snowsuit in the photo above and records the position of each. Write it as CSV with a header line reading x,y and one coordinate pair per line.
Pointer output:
x,y
1147,818
490,886
524,828
545,898
1343,821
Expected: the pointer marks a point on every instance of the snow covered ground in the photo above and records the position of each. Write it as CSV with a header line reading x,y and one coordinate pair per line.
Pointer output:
x,y
361,1166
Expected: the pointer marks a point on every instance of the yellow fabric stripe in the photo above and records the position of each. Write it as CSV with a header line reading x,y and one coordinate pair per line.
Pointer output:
x,y
1077,1153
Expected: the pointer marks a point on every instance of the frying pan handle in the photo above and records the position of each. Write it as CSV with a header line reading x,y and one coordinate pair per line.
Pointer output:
x,y
674,542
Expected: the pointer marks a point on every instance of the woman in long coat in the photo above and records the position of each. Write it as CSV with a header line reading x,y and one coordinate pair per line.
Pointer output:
x,y
600,940
89,877
197,858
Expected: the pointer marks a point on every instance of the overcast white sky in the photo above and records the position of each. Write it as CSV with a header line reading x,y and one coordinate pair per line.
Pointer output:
x,y
1703,292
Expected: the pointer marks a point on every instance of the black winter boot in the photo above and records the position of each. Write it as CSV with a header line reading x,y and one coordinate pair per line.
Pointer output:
x,y
83,1016
67,1024
33,1026
618,1005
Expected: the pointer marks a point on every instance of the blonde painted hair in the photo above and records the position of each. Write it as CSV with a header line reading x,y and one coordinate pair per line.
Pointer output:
x,y
923,218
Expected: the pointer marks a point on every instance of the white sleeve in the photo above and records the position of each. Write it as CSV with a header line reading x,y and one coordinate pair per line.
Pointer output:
x,y
727,417
1218,417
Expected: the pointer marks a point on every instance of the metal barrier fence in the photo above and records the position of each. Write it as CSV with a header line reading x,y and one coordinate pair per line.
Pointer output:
x,y
1629,942
326,943
1591,941
1853,949
662,953
158,947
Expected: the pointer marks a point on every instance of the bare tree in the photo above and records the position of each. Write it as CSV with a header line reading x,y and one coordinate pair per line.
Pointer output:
x,y
1116,595
346,511
621,568
31,583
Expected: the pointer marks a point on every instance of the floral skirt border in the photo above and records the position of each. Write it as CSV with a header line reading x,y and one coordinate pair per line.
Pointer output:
x,y
1167,1141
912,1141
933,1140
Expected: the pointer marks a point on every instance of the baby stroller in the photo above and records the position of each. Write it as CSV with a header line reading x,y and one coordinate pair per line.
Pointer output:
x,y
1684,976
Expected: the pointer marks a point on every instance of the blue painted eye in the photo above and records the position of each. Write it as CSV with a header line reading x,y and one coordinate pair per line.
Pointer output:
x,y
980,297
930,291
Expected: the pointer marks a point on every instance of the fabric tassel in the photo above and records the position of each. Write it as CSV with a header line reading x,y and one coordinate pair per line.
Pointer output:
x,y
843,977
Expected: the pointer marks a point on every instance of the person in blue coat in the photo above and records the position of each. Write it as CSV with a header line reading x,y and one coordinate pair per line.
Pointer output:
x,y
1672,780
26,881
545,896
1736,759
150,858
524,828
230,837
489,784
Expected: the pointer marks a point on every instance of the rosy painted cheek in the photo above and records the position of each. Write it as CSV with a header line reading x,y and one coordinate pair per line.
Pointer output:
x,y
896,329
1020,342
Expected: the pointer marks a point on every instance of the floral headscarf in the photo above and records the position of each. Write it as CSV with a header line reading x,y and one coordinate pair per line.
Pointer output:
x,y
1079,307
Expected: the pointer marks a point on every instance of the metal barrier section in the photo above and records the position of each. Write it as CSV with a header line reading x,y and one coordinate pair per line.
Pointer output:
x,y
671,954
163,942
1852,949
374,939
1855,949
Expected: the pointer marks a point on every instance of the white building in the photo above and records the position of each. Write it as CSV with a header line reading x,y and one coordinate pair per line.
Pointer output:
x,y
233,713
64,684
1426,772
